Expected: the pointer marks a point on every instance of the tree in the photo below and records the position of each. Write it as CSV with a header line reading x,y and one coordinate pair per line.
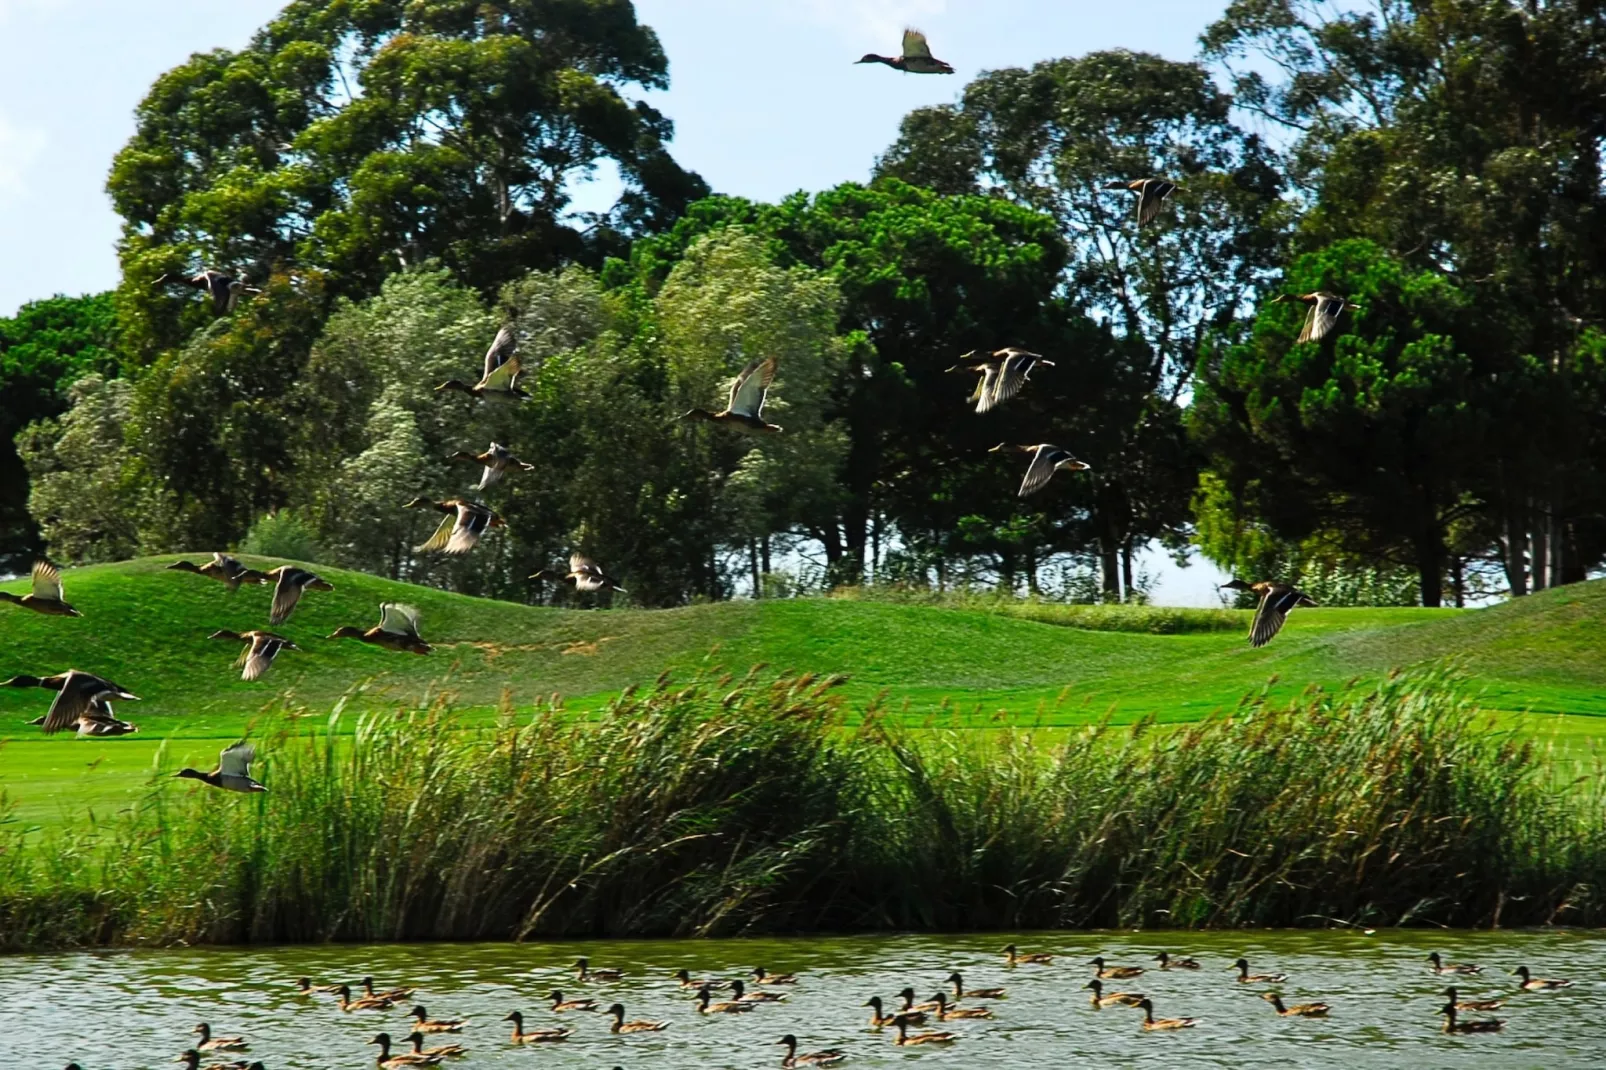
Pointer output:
x,y
358,138
1052,138
1376,435
44,349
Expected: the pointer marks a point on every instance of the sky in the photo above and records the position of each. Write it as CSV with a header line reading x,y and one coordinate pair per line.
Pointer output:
x,y
764,94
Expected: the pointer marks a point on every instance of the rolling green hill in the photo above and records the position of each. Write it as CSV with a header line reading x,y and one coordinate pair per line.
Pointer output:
x,y
145,627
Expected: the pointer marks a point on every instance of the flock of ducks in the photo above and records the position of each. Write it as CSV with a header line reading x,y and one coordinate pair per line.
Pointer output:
x,y
908,1019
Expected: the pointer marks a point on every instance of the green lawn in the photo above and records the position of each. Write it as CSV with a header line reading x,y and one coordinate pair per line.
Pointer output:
x,y
145,627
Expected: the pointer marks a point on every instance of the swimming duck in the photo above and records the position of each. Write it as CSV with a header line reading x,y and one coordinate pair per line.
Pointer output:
x,y
705,1004
233,773
760,977
621,1026
1047,459
744,408
823,1057
534,1036
394,994
46,595
224,289
960,991
1114,999
1472,1004
740,993
224,568
1475,1025
423,1024
906,1038
1538,984
1168,963
879,1018
260,650
559,1004
911,1009
1277,600
305,986
439,1051
289,585
1245,977
460,532
584,573
685,979
79,696
406,1058
192,1061
1298,1010
1036,958
500,379
1003,372
498,460
208,1042
1114,973
363,1003
1322,319
584,972
946,1012
1152,194
397,630
1151,1022
1440,966
916,57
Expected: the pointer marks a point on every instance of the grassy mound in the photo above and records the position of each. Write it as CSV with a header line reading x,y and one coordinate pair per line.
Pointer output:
x,y
731,806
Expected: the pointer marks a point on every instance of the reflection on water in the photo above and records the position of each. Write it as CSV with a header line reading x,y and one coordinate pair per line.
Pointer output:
x,y
136,1009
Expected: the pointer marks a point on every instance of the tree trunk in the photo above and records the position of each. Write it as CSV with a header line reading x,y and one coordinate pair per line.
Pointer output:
x,y
1458,580
1516,556
752,564
1430,569
1540,572
1126,568
1110,568
764,553
1031,573
1558,549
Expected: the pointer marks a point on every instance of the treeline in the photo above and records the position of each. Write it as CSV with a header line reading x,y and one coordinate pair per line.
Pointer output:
x,y
1440,167
1372,807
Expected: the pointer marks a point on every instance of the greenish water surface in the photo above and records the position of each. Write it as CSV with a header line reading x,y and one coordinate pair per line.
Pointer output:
x,y
130,1009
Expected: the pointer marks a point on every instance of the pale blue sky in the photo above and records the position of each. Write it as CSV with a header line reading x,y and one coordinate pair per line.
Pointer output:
x,y
765,98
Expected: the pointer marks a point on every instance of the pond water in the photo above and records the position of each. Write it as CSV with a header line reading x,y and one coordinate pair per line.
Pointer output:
x,y
137,1008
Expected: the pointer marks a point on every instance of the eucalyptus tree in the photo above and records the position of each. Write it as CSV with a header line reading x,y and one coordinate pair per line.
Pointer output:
x,y
359,138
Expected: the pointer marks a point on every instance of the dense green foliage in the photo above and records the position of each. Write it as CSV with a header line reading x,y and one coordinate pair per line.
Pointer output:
x,y
1374,807
45,348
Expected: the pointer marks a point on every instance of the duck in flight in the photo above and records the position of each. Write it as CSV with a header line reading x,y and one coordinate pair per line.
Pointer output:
x,y
584,573
916,57
83,701
223,288
397,630
289,584
460,532
46,595
1047,459
1277,600
1322,318
260,650
1003,372
224,568
744,409
1152,193
233,772
498,461
500,379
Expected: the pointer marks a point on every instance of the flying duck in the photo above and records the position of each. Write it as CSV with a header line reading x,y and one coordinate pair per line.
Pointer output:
x,y
289,584
1322,319
260,650
1046,460
498,461
460,532
744,409
1277,600
584,573
397,630
80,696
1152,193
224,568
1003,372
916,57
46,594
223,288
500,380
233,773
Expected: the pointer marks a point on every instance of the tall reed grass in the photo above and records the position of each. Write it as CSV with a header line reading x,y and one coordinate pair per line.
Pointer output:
x,y
721,806
1129,617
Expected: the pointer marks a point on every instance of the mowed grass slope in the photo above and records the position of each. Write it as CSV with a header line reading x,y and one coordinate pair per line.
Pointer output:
x,y
146,628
